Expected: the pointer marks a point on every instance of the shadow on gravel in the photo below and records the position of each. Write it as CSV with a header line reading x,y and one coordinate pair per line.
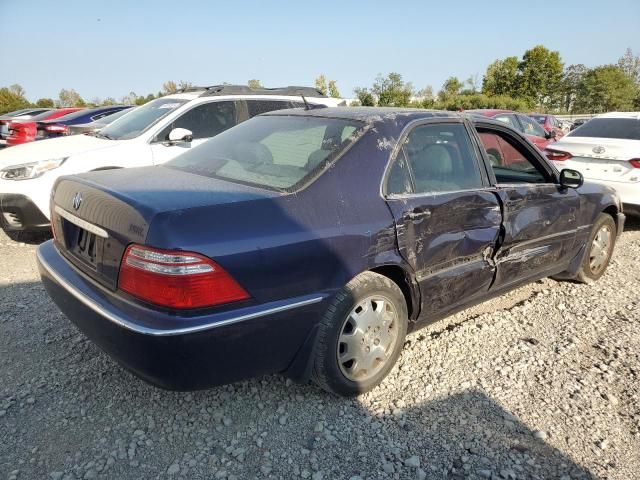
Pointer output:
x,y
31,238
632,224
71,403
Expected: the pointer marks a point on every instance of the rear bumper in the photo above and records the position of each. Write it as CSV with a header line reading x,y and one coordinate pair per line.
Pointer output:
x,y
19,213
176,352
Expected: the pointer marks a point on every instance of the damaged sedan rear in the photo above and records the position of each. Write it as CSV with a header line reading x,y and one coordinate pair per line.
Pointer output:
x,y
310,242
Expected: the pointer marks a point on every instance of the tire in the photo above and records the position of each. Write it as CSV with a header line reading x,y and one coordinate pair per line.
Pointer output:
x,y
368,319
599,249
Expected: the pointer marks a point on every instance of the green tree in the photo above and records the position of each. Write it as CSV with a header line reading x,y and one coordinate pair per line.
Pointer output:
x,y
365,97
571,81
501,77
630,64
70,98
333,89
392,91
45,103
540,77
450,88
606,88
109,101
254,84
321,84
10,101
425,97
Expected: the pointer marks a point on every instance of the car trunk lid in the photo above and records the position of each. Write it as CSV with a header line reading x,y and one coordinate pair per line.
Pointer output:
x,y
96,216
601,158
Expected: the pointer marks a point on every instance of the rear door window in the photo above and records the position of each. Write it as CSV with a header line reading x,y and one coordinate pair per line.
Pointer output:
x,y
509,120
440,158
256,107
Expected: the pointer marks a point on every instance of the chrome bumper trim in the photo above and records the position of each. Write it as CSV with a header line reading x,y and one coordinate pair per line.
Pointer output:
x,y
124,323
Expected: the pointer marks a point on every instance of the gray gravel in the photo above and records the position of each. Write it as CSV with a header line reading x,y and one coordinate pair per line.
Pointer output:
x,y
541,383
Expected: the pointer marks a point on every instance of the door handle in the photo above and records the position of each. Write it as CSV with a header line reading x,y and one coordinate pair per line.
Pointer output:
x,y
417,214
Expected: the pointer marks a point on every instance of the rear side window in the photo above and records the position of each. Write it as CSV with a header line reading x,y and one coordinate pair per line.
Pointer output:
x,y
440,158
272,151
620,128
204,121
508,119
256,107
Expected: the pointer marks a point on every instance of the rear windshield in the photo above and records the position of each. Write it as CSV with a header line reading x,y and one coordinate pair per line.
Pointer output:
x,y
141,119
275,152
621,128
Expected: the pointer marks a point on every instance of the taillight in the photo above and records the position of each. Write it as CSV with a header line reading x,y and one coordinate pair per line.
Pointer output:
x,y
635,162
56,128
557,155
176,279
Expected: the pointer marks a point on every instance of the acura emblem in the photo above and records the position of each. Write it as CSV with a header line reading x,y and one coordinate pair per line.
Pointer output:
x,y
77,201
598,150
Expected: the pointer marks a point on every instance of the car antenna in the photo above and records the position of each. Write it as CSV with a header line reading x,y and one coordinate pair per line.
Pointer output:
x,y
306,104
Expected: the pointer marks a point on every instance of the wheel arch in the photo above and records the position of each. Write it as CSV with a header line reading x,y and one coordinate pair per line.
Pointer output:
x,y
409,287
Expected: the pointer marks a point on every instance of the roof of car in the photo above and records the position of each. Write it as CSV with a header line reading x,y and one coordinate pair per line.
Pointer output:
x,y
635,115
366,114
489,111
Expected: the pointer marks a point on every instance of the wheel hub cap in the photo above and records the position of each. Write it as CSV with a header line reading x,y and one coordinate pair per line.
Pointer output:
x,y
367,338
600,247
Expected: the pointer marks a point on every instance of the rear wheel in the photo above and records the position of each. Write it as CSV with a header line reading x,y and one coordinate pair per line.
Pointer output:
x,y
599,249
361,335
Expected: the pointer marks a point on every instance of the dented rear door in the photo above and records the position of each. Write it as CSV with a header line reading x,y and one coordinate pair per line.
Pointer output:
x,y
447,219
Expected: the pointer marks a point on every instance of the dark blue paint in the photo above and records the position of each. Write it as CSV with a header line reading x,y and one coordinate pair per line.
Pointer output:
x,y
284,247
77,118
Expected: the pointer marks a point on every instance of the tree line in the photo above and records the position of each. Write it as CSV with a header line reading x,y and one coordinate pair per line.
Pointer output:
x,y
539,80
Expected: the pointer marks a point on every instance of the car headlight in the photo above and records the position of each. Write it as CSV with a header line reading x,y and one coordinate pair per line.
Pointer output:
x,y
30,170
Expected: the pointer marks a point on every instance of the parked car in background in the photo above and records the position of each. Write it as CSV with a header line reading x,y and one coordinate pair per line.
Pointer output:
x,y
23,131
549,123
310,242
60,126
97,124
605,149
150,134
534,132
578,123
22,114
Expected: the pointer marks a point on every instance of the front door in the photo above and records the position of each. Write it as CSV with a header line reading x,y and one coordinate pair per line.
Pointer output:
x,y
539,215
447,219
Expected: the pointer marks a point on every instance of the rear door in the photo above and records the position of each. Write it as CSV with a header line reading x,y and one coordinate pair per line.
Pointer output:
x,y
204,121
447,218
539,216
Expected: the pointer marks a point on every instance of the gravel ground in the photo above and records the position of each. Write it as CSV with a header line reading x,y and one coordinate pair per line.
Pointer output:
x,y
541,383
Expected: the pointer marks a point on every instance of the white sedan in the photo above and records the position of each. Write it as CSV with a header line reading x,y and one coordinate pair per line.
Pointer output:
x,y
606,149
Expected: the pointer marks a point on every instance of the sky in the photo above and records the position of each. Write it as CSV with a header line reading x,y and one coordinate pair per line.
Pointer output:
x,y
110,48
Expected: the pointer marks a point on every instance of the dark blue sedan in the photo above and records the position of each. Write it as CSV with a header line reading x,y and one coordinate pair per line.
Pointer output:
x,y
310,242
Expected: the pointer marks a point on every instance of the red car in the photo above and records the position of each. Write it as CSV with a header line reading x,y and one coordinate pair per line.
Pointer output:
x,y
534,132
549,123
23,131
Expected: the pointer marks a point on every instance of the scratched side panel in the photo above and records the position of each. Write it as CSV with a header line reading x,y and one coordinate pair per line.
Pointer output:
x,y
540,232
450,249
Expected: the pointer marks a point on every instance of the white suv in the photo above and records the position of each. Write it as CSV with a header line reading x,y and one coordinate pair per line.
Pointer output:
x,y
151,134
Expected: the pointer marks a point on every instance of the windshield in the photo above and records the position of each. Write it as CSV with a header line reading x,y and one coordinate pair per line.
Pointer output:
x,y
539,118
141,119
620,128
276,152
531,127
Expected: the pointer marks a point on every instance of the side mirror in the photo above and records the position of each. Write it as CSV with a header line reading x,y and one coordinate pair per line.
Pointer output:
x,y
571,178
551,135
180,135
